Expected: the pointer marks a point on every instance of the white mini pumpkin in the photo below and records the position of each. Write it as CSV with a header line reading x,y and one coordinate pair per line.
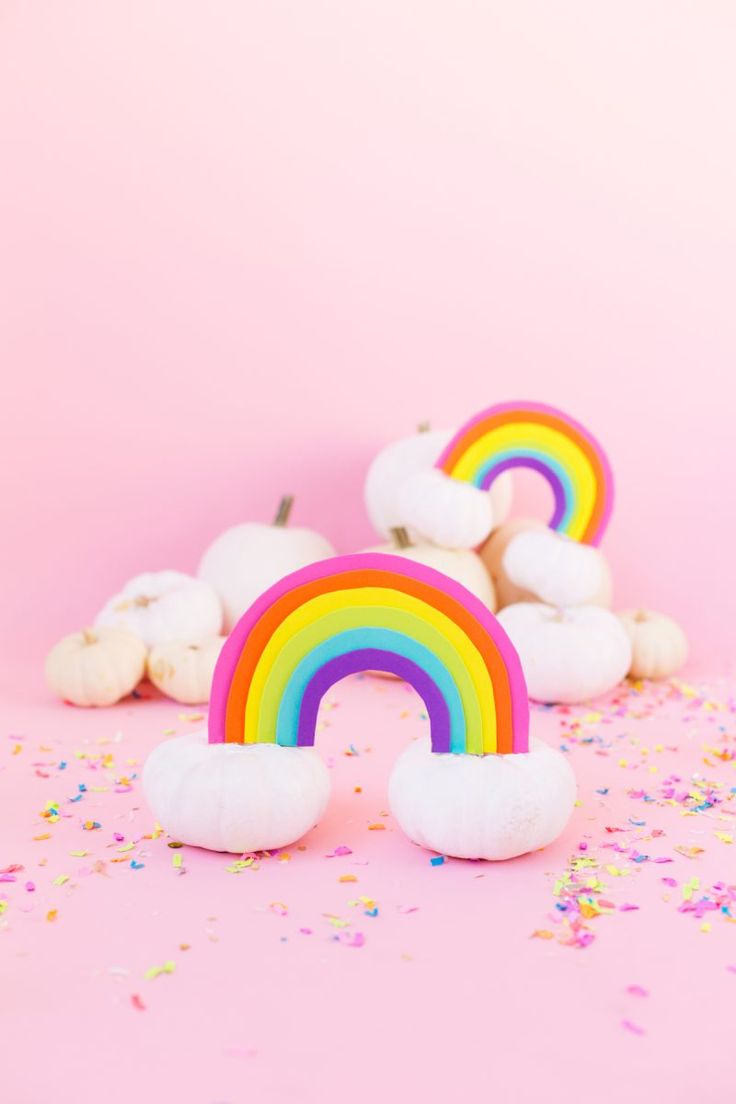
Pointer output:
x,y
446,511
559,571
482,806
386,497
460,564
658,644
96,666
567,655
247,559
235,797
163,606
184,671
509,592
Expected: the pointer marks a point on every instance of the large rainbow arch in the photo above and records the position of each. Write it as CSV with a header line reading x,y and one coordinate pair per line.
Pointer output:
x,y
534,435
370,611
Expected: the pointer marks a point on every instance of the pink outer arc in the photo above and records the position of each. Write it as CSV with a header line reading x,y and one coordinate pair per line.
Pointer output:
x,y
338,565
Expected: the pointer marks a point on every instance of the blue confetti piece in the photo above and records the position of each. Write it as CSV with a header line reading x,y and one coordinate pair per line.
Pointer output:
x,y
136,865
437,860
604,791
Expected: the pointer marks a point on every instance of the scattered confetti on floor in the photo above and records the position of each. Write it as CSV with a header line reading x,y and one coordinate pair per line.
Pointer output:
x,y
130,960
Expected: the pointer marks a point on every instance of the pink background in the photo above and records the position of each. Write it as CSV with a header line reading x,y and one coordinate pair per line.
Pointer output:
x,y
244,245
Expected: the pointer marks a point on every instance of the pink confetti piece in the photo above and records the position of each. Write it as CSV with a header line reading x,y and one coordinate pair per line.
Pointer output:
x,y
352,939
637,991
635,1029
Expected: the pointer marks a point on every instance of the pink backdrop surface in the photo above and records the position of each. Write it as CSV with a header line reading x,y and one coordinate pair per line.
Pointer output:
x,y
244,245
348,966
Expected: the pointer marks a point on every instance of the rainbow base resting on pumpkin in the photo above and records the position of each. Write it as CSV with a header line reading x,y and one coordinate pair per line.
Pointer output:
x,y
334,618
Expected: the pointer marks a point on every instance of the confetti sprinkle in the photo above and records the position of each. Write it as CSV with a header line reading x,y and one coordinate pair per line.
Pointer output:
x,y
156,971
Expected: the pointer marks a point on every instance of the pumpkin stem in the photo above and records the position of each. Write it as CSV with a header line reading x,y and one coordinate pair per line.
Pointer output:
x,y
400,537
282,514
90,636
423,427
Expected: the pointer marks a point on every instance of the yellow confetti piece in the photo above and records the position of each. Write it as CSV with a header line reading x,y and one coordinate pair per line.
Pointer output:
x,y
376,827
347,878
689,888
705,926
542,933
125,847
689,852
17,749
52,914
156,971
617,872
79,854
176,860
43,836
191,718
238,865
724,837
3,907
61,880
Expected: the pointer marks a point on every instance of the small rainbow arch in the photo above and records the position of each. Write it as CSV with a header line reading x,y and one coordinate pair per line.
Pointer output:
x,y
537,436
370,611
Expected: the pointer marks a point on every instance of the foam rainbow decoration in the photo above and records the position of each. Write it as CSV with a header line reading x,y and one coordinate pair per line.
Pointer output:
x,y
533,435
370,611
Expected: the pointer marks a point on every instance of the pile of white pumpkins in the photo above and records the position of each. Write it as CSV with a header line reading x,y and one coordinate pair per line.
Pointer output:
x,y
553,596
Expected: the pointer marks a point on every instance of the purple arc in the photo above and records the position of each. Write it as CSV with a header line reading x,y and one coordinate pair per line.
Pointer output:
x,y
537,465
374,659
